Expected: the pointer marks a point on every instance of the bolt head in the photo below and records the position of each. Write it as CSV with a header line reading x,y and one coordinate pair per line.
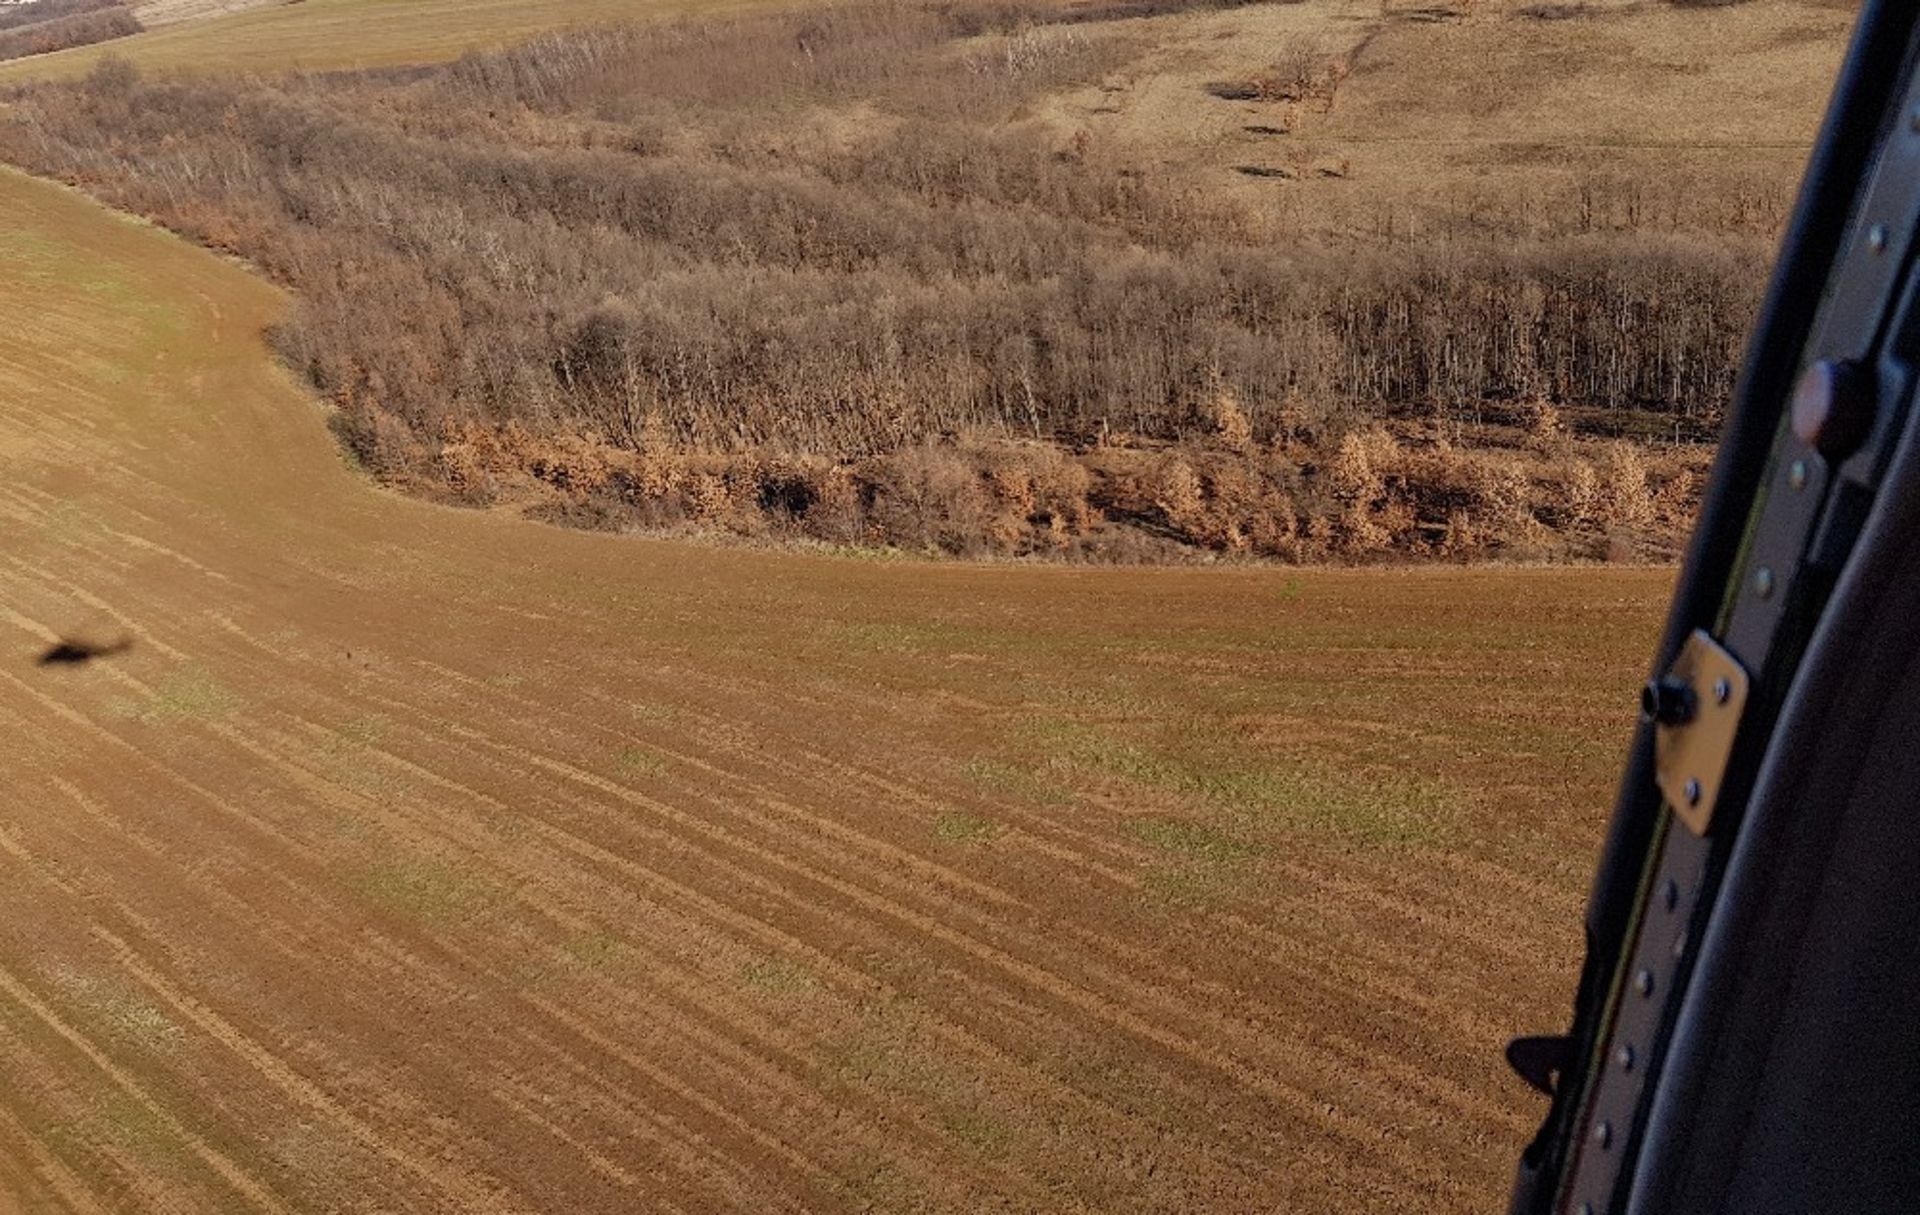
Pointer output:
x,y
1797,475
1877,238
1603,1134
1643,982
1763,582
1722,690
1625,1057
1693,791
1670,894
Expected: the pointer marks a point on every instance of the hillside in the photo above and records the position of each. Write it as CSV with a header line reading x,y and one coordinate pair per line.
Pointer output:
x,y
1015,279
1449,111
436,860
1444,106
1471,89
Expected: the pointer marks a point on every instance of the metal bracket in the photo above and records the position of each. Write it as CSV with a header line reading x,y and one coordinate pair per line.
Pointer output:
x,y
1696,710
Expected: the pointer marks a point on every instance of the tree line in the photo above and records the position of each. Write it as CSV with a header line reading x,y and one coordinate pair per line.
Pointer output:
x,y
829,234
55,25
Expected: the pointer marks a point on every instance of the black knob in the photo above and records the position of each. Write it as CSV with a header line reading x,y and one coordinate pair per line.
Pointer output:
x,y
1667,701
1833,406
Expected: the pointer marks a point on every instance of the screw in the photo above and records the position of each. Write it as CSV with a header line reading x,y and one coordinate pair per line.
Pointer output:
x,y
1603,1135
1797,475
1877,238
1670,894
1643,982
1624,1057
1680,946
1763,582
1692,790
1722,690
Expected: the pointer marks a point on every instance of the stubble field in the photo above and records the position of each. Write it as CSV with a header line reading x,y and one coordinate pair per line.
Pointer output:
x,y
420,859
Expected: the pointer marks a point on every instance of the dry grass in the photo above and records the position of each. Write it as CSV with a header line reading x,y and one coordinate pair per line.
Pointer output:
x,y
331,35
1693,118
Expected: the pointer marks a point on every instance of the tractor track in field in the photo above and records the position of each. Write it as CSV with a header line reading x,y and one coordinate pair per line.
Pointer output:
x,y
428,860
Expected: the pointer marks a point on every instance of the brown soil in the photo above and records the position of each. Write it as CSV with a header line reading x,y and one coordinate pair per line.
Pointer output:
x,y
419,859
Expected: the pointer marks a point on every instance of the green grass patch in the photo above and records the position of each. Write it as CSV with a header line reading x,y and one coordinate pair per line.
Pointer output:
x,y
1196,840
1379,808
884,1187
344,758
128,1123
365,731
1203,863
853,552
1376,808
960,827
777,976
592,950
984,1133
639,761
183,696
1190,886
122,1011
422,889
1010,781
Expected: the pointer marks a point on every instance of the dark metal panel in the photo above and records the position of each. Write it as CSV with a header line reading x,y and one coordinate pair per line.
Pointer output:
x,y
1654,881
1795,1055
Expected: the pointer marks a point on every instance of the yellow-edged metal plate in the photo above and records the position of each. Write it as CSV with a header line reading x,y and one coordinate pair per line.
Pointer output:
x,y
1690,755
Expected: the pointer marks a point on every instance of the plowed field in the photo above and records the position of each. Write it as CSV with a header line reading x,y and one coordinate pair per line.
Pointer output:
x,y
424,860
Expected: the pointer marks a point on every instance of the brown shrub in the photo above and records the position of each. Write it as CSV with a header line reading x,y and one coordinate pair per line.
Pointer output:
x,y
1356,473
1231,426
1625,500
1178,493
1580,493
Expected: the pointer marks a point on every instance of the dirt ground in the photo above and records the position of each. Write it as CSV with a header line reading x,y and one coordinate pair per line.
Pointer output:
x,y
416,859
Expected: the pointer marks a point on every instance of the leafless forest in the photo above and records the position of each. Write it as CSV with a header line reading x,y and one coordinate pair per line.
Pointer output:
x,y
826,274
